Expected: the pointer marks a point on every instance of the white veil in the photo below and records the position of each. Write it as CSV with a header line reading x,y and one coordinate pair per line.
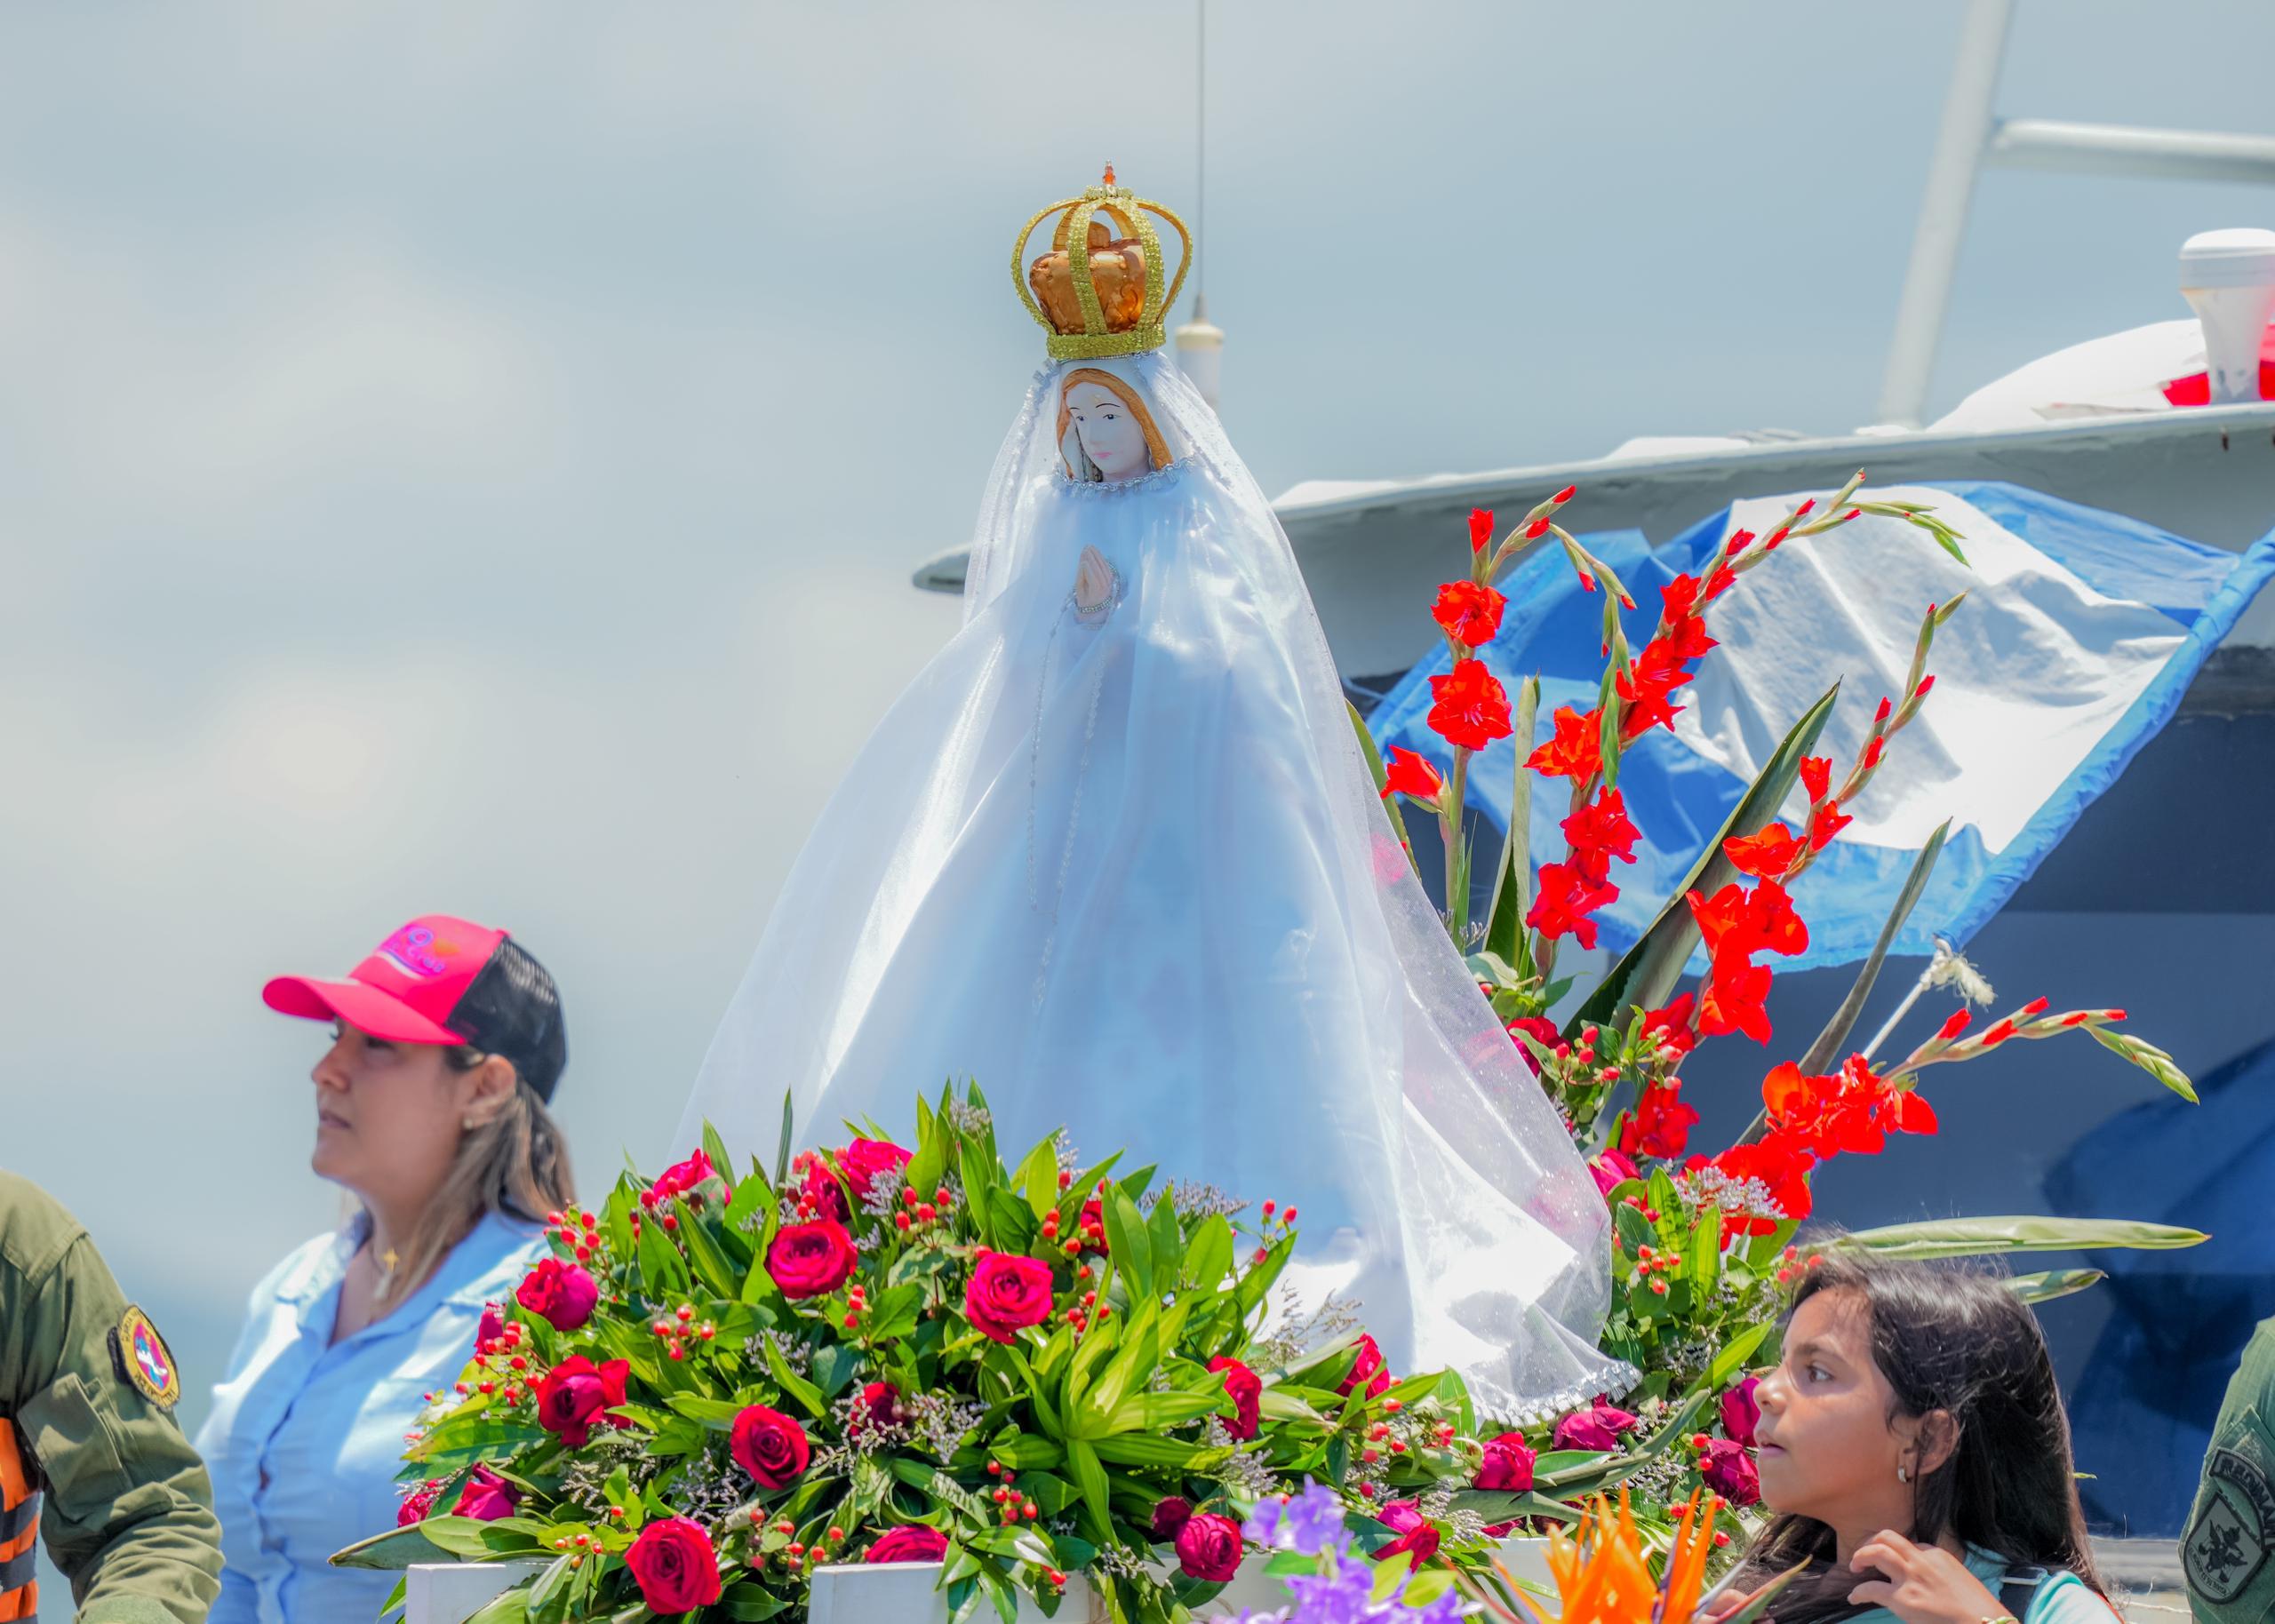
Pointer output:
x,y
1132,874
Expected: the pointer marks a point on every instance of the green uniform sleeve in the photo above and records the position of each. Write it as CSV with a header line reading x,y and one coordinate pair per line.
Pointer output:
x,y
2228,1552
129,1511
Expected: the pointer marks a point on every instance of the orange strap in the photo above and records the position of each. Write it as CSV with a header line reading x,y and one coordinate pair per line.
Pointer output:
x,y
15,1488
18,1532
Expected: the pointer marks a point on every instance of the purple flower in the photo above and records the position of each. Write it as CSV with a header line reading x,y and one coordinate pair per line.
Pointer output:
x,y
1309,1524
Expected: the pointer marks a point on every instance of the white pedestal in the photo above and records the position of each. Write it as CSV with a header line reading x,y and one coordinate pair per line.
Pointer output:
x,y
452,1592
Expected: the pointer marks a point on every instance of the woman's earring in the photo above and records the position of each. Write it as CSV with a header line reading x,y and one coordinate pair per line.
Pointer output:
x,y
468,1124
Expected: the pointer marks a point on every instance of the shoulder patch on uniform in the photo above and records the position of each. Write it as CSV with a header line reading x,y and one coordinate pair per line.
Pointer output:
x,y
143,1360
2227,1544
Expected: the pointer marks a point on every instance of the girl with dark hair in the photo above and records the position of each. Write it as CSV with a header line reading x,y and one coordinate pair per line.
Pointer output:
x,y
1913,1446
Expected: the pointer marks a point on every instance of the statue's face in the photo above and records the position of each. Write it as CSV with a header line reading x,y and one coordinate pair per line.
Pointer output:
x,y
1110,432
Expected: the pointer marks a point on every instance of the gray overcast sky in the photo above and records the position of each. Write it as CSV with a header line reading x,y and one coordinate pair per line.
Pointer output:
x,y
469,458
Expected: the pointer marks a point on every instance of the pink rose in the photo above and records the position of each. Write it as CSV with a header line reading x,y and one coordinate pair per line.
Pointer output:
x,y
1507,1465
674,1566
811,1259
1369,1368
1612,1169
1171,1515
1729,1471
1209,1547
416,1507
1405,1518
772,1448
1599,1427
561,1294
1740,1413
865,1159
1007,1292
488,1496
1247,1389
680,1177
913,1543
577,1393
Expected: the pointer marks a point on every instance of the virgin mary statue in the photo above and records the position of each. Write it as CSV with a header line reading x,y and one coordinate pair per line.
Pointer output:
x,y
1116,855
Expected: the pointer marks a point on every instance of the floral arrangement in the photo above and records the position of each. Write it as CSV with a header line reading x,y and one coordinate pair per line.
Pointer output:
x,y
1703,1243
716,1383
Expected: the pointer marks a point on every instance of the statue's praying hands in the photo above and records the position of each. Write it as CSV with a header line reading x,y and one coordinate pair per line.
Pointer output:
x,y
1094,585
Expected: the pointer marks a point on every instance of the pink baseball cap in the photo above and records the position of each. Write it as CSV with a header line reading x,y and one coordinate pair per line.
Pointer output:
x,y
443,980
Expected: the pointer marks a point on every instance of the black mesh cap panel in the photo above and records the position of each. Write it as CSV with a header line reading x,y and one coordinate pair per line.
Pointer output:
x,y
514,1009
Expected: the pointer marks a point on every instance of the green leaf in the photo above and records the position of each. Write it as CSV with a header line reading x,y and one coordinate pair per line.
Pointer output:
x,y
748,1600
398,1547
1090,1476
1167,1240
1375,770
1037,1179
1157,1412
713,1271
1647,974
1504,920
1126,1240
2055,1283
930,1161
1844,1019
782,1151
793,1384
1210,1259
1729,1364
1143,1449
979,1168
717,1414
1428,1587
1986,1237
509,1607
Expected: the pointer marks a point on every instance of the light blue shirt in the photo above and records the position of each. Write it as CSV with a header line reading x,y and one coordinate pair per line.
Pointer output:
x,y
306,1435
2062,1597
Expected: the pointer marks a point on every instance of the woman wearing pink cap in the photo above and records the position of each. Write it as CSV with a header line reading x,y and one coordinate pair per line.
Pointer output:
x,y
446,1044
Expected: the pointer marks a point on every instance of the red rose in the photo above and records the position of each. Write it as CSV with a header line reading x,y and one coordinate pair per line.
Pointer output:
x,y
823,1193
1368,1368
881,1402
561,1293
1598,1427
675,1566
1468,613
1729,1471
1613,1168
576,1393
1742,1412
1507,1465
488,1496
1471,709
416,1507
1247,1389
1415,1535
1006,1293
913,1543
811,1259
1209,1547
865,1159
769,1445
1171,1515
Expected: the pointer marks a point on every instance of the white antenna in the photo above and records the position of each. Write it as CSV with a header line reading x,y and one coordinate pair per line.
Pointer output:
x,y
1201,343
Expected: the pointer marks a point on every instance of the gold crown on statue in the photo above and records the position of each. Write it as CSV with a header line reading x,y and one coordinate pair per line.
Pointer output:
x,y
1108,299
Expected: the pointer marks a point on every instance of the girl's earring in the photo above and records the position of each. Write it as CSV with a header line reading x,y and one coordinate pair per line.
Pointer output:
x,y
1903,1474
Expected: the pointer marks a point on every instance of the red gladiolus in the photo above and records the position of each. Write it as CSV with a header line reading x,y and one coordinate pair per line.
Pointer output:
x,y
1537,529
1851,1112
1481,529
1469,612
1566,900
1954,1026
1736,923
1472,710
1672,1026
1735,1000
1575,751
1737,544
1409,774
1564,496
1599,832
1826,821
1766,853
1816,776
1646,688
1779,1167
675,1566
1660,1124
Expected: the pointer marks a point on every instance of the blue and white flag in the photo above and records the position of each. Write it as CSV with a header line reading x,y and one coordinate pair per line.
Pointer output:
x,y
2080,632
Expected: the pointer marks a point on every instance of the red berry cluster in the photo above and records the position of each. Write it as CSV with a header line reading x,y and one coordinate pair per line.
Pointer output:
x,y
916,1212
576,1230
681,1329
1015,1505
